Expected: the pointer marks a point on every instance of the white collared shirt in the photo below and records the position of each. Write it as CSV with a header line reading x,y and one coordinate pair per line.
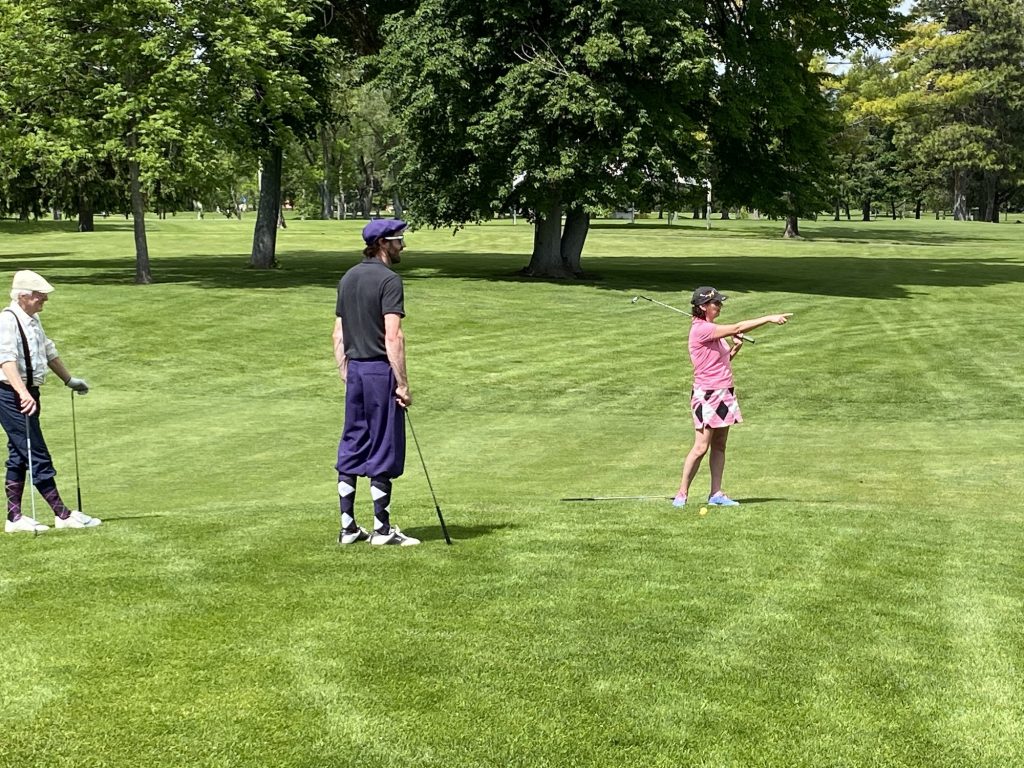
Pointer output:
x,y
41,348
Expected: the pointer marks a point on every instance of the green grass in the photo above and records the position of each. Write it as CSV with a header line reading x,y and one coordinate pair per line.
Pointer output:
x,y
861,608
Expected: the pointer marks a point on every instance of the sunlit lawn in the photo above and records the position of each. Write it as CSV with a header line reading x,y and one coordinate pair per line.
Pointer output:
x,y
861,608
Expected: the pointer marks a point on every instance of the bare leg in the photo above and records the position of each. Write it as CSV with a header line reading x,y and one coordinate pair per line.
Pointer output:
x,y
719,438
701,442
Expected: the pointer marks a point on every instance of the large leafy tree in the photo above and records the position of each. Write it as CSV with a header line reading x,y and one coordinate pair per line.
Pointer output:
x,y
556,107
959,103
772,123
109,96
275,65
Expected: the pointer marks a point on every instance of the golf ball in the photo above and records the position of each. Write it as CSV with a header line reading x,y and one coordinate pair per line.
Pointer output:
x,y
703,511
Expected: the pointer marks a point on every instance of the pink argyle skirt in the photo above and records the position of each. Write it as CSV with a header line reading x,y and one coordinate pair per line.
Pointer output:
x,y
714,408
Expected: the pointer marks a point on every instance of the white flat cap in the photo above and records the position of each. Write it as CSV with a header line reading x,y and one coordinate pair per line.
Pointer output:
x,y
27,280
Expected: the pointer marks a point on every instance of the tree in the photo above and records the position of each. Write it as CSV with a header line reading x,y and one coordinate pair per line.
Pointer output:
x,y
273,62
112,97
558,109
772,122
960,102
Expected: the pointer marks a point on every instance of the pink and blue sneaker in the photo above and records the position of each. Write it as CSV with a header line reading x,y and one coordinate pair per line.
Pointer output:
x,y
721,500
679,500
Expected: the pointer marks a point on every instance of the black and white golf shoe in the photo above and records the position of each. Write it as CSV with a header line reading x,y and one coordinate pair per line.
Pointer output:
x,y
393,537
351,537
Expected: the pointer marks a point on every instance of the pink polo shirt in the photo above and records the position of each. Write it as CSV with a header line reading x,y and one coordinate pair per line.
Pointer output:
x,y
710,357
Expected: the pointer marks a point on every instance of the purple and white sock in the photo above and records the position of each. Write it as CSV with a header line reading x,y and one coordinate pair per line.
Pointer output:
x,y
48,490
380,490
347,502
15,489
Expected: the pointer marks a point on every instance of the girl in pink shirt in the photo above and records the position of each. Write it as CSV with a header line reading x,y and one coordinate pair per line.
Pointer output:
x,y
713,398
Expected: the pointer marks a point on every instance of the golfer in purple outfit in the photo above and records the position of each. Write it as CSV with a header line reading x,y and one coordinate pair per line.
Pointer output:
x,y
369,348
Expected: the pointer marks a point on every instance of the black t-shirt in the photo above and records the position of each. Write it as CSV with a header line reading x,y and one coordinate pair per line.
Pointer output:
x,y
366,293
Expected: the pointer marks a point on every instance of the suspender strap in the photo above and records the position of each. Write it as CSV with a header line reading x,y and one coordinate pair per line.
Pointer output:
x,y
24,347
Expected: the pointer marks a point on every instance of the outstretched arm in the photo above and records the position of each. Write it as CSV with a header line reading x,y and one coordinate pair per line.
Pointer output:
x,y
731,329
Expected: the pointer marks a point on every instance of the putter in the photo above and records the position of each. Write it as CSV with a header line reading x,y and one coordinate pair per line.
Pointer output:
x,y
74,433
31,476
681,312
437,506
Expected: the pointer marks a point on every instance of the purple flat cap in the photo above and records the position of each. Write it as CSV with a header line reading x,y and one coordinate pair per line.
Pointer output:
x,y
382,228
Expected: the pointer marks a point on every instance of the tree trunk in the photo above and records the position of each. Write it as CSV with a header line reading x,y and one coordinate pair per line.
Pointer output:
x,y
546,260
792,226
991,186
917,209
264,239
960,211
142,274
326,200
892,209
366,189
86,216
577,224
838,210
235,204
725,214
396,204
849,217
865,209
324,185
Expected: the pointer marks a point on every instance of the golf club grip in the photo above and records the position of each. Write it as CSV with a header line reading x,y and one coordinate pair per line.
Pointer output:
x,y
744,337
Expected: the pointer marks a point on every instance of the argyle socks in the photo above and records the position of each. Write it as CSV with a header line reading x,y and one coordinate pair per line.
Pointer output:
x,y
48,490
380,490
15,487
347,502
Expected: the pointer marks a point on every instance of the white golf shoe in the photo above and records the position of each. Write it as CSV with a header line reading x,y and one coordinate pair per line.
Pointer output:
x,y
394,537
25,524
77,520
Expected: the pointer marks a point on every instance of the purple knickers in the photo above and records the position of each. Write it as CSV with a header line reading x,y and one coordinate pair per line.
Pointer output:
x,y
373,439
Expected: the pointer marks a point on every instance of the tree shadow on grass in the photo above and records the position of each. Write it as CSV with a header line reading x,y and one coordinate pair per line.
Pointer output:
x,y
865,277
841,276
14,227
847,232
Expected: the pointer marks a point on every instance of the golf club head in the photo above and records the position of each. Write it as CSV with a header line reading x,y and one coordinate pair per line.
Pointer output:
x,y
635,300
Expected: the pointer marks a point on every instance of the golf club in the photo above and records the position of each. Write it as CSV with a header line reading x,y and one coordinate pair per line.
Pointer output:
x,y
742,336
31,476
74,433
437,506
615,498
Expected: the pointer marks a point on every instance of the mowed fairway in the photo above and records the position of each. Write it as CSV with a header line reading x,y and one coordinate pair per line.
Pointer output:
x,y
861,608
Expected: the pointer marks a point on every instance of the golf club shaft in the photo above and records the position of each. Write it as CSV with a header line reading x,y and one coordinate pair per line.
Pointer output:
x,y
663,304
31,476
437,507
741,336
74,433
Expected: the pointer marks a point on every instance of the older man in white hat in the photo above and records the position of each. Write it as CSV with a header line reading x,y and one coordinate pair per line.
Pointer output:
x,y
25,355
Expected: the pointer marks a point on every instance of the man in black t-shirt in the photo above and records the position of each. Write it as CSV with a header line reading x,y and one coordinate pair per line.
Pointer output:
x,y
369,348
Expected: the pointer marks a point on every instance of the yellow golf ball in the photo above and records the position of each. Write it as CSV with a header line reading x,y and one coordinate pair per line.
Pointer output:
x,y
703,511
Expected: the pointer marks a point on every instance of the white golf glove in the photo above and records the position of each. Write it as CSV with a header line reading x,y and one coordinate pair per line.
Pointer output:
x,y
78,385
